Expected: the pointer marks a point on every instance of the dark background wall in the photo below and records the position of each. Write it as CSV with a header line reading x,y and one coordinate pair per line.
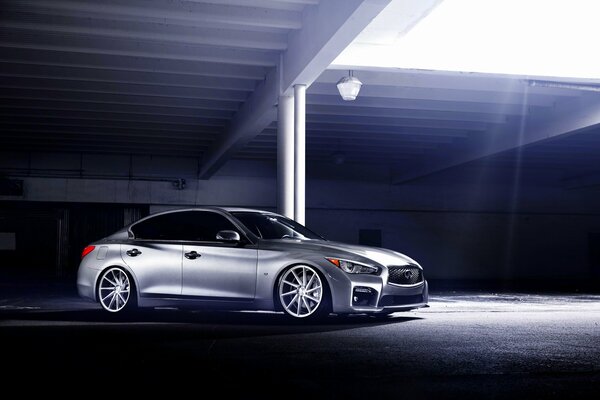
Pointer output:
x,y
47,238
470,223
466,245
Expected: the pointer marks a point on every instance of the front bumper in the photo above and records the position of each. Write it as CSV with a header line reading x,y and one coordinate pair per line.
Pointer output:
x,y
371,294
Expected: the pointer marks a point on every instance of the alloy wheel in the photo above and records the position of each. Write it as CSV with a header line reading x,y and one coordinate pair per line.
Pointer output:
x,y
300,291
114,289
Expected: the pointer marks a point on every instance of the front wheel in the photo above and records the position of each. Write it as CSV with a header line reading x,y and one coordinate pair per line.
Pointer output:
x,y
115,291
302,293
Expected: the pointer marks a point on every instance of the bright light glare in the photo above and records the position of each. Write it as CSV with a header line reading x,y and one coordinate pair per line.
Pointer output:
x,y
523,37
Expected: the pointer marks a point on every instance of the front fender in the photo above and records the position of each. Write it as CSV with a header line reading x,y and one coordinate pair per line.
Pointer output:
x,y
272,264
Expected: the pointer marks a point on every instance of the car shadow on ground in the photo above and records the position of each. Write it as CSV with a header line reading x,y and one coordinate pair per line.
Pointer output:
x,y
219,323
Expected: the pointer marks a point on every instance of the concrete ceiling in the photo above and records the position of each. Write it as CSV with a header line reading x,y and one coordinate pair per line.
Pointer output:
x,y
152,77
201,78
184,78
424,121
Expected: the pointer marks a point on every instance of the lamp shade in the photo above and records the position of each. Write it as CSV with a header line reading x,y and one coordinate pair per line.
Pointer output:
x,y
349,87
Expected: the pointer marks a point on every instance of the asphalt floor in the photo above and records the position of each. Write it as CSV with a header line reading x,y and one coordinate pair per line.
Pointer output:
x,y
465,345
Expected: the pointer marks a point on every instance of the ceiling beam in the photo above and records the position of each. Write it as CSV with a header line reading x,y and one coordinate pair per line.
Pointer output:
x,y
398,122
277,4
104,142
7,95
330,145
18,105
415,152
324,158
369,129
569,117
95,44
403,113
144,31
122,88
271,136
412,104
208,133
469,96
124,77
30,114
46,124
326,30
103,149
105,139
410,78
128,63
162,11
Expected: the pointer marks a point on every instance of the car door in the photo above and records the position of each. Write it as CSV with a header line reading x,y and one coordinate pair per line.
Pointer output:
x,y
214,270
157,267
154,255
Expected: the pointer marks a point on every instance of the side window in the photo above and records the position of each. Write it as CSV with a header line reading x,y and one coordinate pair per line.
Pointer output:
x,y
185,225
156,228
204,225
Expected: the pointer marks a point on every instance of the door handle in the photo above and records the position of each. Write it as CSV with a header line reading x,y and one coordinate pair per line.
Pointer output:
x,y
192,255
133,252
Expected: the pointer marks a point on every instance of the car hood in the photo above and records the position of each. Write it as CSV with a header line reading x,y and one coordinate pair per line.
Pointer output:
x,y
342,250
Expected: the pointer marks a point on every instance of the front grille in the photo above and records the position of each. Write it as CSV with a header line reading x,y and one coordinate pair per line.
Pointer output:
x,y
405,275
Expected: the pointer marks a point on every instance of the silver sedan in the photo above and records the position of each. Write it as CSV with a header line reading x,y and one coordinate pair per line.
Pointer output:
x,y
233,258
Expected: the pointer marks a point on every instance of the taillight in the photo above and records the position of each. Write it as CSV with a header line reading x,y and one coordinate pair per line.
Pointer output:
x,y
87,250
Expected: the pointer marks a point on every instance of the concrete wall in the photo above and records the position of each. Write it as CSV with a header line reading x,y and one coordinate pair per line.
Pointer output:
x,y
456,226
461,245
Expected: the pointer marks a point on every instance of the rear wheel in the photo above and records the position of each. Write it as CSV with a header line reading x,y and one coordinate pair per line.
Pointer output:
x,y
303,293
116,292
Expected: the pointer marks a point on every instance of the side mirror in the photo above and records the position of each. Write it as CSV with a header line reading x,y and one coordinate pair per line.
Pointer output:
x,y
228,236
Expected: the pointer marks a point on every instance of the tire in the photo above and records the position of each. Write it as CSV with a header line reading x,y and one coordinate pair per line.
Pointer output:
x,y
303,293
116,291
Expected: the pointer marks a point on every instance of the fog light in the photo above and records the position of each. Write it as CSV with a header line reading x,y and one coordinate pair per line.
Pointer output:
x,y
364,296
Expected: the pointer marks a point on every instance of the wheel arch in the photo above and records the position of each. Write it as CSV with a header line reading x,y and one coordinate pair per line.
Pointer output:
x,y
127,270
324,276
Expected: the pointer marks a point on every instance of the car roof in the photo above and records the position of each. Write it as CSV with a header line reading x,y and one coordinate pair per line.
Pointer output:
x,y
208,208
242,209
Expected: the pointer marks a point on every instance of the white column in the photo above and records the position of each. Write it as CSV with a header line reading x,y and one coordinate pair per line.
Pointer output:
x,y
300,153
285,156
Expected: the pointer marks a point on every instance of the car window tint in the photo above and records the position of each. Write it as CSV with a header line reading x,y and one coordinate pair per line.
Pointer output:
x,y
265,228
184,225
271,226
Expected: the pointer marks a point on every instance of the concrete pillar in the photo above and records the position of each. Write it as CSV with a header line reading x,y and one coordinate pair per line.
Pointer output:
x,y
300,153
285,156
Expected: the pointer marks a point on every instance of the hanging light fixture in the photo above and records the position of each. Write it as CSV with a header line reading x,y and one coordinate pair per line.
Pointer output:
x,y
349,86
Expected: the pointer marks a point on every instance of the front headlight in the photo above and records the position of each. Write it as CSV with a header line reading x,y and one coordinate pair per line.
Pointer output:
x,y
352,267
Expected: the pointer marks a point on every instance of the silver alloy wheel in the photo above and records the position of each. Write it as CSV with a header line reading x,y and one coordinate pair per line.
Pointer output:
x,y
300,291
114,290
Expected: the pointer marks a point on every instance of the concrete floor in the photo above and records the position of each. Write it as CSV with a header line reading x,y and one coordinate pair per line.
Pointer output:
x,y
470,345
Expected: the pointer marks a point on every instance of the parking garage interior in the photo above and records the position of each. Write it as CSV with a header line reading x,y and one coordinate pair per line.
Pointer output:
x,y
111,111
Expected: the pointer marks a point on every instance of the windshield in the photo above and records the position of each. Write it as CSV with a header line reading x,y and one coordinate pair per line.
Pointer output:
x,y
271,226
